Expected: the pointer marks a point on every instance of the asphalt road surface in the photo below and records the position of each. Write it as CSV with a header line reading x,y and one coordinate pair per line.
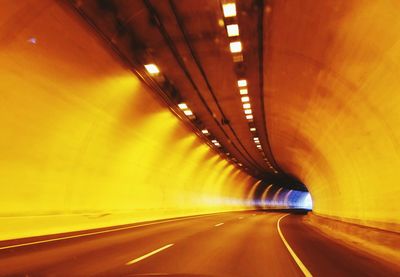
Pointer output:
x,y
248,244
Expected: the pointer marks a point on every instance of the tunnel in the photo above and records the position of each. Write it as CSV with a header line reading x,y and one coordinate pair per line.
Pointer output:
x,y
123,120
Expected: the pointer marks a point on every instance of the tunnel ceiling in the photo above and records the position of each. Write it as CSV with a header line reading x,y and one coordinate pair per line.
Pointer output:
x,y
188,42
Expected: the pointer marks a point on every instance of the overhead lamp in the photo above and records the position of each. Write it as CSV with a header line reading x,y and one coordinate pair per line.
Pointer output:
x,y
253,129
245,99
249,116
246,106
233,30
182,106
152,68
242,83
256,138
214,141
237,58
235,47
248,111
229,9
239,164
188,112
205,131
243,91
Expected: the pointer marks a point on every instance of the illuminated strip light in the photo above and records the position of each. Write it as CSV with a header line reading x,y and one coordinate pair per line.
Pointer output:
x,y
248,111
232,30
245,99
243,91
152,68
182,106
205,131
235,47
185,109
188,112
242,83
216,143
229,9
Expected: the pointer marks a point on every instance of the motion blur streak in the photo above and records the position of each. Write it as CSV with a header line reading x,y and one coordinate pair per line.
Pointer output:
x,y
264,196
84,144
251,194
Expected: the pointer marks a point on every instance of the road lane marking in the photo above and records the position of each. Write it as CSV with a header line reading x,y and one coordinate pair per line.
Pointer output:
x,y
219,224
302,267
149,254
99,232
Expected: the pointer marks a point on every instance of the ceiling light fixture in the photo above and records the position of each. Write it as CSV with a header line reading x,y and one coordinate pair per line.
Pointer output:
x,y
246,106
242,83
245,99
152,68
229,9
233,30
243,91
247,111
205,131
252,129
235,47
249,116
182,106
188,112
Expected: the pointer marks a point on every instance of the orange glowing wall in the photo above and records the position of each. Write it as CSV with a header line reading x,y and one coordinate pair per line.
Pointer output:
x,y
334,104
85,144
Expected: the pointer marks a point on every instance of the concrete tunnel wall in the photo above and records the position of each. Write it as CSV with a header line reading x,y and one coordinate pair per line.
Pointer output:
x,y
335,124
83,142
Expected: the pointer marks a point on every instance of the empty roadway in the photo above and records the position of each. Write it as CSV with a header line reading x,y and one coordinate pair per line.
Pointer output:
x,y
225,244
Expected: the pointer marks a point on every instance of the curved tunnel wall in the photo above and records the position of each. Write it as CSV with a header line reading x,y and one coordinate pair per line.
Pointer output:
x,y
335,124
84,144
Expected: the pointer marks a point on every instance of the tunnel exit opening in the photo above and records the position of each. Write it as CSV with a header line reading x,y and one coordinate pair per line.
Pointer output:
x,y
264,195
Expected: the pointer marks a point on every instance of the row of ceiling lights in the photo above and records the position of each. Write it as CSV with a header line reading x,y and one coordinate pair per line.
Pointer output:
x,y
229,11
235,46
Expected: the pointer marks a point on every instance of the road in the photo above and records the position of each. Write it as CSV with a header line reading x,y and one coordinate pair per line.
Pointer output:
x,y
226,244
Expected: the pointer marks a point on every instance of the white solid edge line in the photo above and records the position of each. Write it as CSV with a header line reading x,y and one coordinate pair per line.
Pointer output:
x,y
149,254
98,232
219,224
302,267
